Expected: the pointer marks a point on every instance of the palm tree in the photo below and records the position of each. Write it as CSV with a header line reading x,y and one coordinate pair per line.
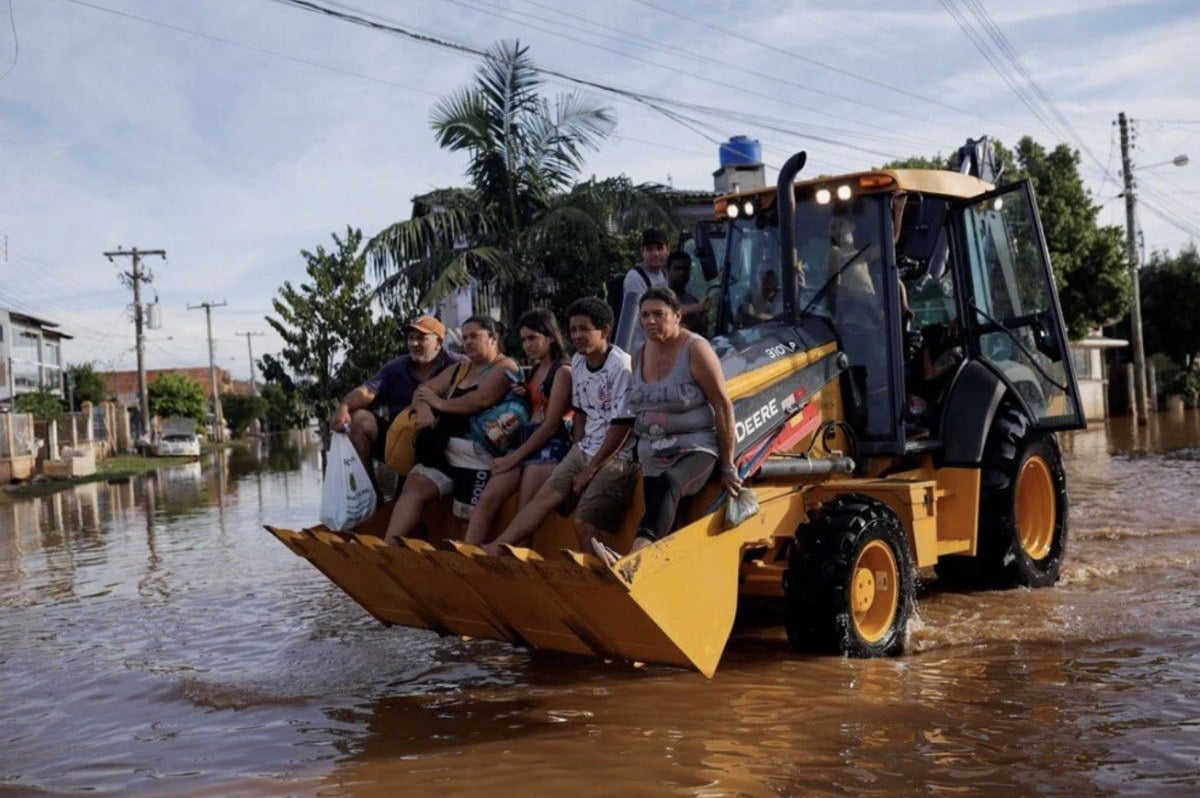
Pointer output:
x,y
523,213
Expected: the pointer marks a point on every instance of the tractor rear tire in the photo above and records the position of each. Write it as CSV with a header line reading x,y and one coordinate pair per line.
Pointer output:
x,y
850,584
1022,511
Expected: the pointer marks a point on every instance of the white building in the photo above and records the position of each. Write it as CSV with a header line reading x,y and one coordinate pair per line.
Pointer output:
x,y
30,355
1087,354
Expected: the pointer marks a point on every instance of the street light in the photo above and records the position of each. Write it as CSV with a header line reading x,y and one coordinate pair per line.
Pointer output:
x,y
1178,160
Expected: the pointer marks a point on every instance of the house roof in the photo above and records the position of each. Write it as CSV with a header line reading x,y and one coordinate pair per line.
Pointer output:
x,y
45,324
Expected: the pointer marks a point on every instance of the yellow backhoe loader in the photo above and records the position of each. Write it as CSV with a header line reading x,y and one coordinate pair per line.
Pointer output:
x,y
896,397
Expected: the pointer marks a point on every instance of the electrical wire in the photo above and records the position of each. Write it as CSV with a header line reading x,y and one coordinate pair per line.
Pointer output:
x,y
16,42
789,127
253,48
1061,127
806,59
656,102
626,36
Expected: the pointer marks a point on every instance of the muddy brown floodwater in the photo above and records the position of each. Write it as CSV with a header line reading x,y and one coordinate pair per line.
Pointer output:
x,y
154,640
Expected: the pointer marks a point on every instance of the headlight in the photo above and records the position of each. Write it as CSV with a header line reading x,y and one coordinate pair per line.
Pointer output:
x,y
843,193
823,196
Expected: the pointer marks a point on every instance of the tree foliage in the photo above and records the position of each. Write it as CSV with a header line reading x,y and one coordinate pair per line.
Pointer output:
x,y
282,409
1171,305
88,385
333,339
240,409
1088,260
178,395
523,222
41,403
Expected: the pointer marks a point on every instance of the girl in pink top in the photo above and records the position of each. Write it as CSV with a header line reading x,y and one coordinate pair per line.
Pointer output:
x,y
548,387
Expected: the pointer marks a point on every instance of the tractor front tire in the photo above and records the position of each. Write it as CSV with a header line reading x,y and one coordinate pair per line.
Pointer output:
x,y
850,584
1022,511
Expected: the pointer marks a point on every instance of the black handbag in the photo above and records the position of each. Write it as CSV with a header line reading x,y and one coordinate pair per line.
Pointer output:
x,y
429,445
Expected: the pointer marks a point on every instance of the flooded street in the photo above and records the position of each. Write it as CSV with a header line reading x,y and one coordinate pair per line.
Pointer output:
x,y
155,640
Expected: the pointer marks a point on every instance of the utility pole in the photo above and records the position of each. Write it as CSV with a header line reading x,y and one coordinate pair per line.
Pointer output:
x,y
219,425
136,277
250,352
1135,312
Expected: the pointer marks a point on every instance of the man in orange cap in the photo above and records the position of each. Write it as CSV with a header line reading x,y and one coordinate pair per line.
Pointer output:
x,y
391,389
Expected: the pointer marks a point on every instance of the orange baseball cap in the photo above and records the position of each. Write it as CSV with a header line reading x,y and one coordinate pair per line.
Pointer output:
x,y
427,324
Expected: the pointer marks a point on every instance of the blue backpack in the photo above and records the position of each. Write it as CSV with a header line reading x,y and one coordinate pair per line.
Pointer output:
x,y
500,429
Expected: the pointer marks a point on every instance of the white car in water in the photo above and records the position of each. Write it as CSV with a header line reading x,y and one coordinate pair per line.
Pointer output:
x,y
178,439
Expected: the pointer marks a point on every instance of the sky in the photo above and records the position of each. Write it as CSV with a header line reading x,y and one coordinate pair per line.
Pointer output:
x,y
233,134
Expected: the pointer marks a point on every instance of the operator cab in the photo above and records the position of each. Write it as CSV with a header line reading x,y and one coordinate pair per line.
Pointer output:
x,y
920,276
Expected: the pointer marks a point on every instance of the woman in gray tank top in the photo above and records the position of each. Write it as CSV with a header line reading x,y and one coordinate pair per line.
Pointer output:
x,y
682,415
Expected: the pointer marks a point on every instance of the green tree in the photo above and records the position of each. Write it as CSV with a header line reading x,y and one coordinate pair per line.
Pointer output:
x,y
177,395
519,226
42,403
333,340
282,407
240,409
1089,261
1171,305
88,385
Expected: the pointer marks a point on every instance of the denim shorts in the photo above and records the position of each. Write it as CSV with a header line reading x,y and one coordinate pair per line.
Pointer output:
x,y
551,453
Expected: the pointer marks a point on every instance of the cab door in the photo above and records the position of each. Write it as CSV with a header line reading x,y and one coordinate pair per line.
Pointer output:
x,y
1013,320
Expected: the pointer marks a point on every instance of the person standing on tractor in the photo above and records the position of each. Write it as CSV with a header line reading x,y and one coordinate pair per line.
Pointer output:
x,y
695,309
650,273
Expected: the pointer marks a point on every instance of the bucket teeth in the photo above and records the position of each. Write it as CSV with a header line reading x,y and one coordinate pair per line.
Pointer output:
x,y
672,602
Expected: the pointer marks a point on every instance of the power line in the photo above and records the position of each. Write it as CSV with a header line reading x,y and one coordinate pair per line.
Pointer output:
x,y
1170,218
626,36
244,46
789,127
1061,126
806,59
650,100
983,49
16,42
829,130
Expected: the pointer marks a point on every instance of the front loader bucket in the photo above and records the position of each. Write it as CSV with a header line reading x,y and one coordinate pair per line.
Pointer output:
x,y
672,603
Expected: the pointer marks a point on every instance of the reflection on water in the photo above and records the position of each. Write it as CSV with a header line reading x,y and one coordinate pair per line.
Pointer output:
x,y
155,640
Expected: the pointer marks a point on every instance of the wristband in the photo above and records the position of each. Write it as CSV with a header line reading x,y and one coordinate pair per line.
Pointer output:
x,y
729,470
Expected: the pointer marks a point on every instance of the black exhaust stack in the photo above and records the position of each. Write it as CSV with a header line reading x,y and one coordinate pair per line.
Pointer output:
x,y
785,202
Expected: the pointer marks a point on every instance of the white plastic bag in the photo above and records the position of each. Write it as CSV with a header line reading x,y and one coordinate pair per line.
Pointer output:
x,y
347,498
741,508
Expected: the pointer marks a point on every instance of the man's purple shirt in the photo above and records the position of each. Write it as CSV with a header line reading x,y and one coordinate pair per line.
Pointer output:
x,y
395,383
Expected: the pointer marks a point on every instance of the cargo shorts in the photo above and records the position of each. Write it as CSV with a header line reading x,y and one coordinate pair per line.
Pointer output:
x,y
606,497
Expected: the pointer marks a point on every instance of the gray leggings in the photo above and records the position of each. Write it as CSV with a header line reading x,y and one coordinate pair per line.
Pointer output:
x,y
685,477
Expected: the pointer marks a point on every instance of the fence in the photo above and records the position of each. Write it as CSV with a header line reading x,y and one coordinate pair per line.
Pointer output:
x,y
18,447
28,444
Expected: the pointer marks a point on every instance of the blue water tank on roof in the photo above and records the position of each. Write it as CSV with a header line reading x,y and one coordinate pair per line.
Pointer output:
x,y
741,151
